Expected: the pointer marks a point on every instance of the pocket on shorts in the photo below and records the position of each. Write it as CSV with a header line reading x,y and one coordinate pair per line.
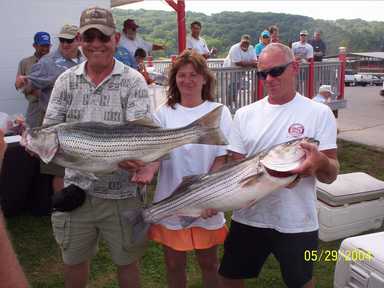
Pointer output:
x,y
61,225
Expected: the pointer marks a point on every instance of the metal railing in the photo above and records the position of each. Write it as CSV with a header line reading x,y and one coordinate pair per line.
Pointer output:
x,y
237,87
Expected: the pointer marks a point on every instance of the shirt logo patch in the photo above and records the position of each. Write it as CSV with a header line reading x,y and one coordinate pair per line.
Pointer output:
x,y
296,130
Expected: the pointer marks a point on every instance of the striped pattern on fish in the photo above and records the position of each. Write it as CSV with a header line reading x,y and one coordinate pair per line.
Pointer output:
x,y
98,148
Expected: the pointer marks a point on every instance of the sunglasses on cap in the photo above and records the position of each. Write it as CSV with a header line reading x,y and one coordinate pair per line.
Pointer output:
x,y
65,40
274,72
92,34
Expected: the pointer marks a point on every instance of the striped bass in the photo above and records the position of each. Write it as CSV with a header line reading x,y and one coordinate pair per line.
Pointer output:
x,y
96,147
235,186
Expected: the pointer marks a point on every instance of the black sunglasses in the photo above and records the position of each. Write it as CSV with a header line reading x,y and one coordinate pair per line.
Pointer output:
x,y
274,72
90,35
64,40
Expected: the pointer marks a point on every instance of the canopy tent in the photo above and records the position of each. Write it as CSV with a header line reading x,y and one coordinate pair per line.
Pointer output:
x,y
177,5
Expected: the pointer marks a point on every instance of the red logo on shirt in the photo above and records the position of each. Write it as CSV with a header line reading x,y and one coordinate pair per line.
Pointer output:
x,y
296,130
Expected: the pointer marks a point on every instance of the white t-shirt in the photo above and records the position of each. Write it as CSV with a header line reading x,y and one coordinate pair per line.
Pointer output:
x,y
199,45
190,159
302,51
236,54
261,125
132,45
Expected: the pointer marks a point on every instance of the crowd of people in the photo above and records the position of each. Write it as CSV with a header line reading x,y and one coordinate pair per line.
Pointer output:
x,y
82,81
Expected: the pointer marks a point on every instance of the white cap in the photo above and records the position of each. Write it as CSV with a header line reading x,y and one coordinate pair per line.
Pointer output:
x,y
326,88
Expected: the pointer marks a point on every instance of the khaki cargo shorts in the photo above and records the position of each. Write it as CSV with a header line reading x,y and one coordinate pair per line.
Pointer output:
x,y
78,232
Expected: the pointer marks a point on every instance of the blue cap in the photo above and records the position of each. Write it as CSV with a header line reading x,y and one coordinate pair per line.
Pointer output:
x,y
42,38
265,34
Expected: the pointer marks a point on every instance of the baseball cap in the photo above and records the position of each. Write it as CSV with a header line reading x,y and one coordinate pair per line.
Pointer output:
x,y
130,23
303,32
42,38
98,18
265,34
245,38
68,31
326,88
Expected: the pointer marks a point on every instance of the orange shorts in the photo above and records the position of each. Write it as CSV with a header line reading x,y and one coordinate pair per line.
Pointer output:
x,y
187,239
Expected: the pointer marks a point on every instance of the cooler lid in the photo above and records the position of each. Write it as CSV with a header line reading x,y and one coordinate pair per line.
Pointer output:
x,y
350,188
372,244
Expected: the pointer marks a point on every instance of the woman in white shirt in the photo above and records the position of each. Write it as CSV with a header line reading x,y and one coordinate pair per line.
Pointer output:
x,y
190,96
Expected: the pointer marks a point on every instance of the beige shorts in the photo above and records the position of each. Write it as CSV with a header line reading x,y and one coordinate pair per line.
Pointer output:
x,y
78,232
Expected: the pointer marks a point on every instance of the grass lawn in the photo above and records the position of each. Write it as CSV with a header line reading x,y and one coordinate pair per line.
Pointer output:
x,y
40,257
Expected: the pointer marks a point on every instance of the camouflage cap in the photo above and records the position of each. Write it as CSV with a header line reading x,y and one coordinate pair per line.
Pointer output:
x,y
98,18
68,31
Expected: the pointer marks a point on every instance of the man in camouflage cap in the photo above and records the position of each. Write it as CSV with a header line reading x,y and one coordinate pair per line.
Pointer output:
x,y
104,90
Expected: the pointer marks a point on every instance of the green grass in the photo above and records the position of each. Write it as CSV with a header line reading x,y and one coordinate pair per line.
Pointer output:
x,y
40,257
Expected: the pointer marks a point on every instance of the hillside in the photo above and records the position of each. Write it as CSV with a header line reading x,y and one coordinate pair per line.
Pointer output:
x,y
224,29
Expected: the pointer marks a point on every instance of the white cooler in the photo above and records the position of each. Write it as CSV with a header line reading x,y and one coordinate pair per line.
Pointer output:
x,y
352,204
360,262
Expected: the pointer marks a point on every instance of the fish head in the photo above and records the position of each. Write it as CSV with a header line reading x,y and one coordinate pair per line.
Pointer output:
x,y
286,156
41,141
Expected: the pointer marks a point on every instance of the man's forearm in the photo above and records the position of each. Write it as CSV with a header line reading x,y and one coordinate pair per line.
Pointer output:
x,y
328,171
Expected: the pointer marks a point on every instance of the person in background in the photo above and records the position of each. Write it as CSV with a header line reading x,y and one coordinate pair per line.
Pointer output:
x,y
11,274
302,51
42,45
196,43
265,39
325,94
274,32
285,222
140,56
104,90
319,47
123,55
132,41
190,96
43,76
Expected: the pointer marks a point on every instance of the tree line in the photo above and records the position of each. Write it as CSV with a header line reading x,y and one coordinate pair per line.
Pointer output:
x,y
222,30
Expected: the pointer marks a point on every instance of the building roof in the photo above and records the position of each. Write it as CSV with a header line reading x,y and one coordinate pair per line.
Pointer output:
x,y
379,55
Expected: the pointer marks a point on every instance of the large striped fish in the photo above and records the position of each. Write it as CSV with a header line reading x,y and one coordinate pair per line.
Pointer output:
x,y
97,148
236,186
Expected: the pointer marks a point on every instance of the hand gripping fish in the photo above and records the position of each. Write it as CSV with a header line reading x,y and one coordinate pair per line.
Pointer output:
x,y
95,147
235,186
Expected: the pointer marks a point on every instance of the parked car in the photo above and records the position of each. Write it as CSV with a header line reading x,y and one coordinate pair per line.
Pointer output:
x,y
382,91
349,79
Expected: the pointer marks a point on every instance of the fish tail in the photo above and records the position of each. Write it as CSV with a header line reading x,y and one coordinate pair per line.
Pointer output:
x,y
134,218
209,125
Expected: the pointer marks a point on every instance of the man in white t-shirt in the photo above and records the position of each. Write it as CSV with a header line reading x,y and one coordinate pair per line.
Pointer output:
x,y
302,50
196,43
130,40
285,222
240,55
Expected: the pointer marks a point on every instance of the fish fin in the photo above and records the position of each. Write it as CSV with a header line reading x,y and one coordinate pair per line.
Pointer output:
x,y
250,180
209,120
183,186
146,121
134,218
90,175
213,137
164,157
186,221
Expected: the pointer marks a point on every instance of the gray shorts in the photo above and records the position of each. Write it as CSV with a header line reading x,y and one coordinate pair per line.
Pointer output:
x,y
78,231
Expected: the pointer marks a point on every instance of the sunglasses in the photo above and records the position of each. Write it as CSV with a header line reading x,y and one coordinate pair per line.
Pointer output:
x,y
90,36
64,40
274,72
303,34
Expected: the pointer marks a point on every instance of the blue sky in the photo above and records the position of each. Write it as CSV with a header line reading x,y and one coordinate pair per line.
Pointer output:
x,y
329,10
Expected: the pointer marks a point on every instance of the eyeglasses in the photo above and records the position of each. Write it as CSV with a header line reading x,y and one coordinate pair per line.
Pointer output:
x,y
65,40
274,72
90,35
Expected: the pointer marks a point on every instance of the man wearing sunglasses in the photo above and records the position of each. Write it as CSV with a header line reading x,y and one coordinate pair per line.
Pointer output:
x,y
132,41
42,77
302,50
104,90
285,222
